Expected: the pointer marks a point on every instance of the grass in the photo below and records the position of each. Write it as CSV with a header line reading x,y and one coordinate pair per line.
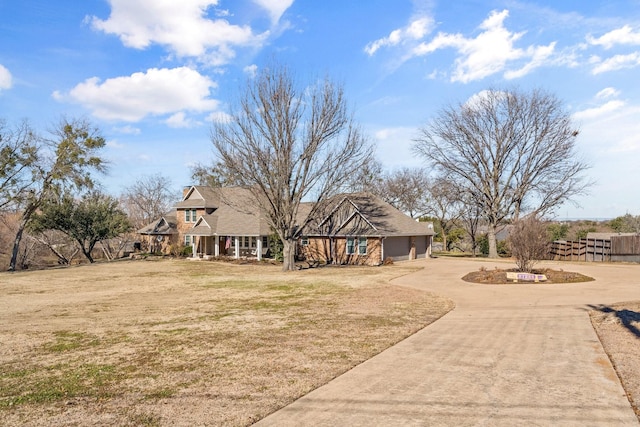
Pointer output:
x,y
160,343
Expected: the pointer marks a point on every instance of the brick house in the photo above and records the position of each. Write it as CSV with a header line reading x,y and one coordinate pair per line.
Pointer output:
x,y
352,229
161,234
363,229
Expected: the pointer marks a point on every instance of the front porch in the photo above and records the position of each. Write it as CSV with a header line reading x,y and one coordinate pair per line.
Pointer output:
x,y
206,247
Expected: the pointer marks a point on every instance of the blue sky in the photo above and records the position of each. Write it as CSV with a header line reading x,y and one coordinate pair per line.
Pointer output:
x,y
153,74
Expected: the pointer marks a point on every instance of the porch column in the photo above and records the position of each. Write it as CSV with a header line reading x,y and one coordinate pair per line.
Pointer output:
x,y
216,246
259,248
237,246
193,247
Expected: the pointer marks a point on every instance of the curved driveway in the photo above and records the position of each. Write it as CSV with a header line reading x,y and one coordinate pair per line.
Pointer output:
x,y
507,355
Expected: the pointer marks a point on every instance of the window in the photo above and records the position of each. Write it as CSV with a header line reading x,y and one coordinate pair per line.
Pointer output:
x,y
190,215
265,242
362,245
304,241
254,242
246,242
187,239
351,247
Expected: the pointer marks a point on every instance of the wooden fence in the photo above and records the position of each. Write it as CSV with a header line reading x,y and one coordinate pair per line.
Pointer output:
x,y
617,248
625,248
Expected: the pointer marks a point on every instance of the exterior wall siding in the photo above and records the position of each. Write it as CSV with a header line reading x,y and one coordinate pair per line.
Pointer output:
x,y
319,249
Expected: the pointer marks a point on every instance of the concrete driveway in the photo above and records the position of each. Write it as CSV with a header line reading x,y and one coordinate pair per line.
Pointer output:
x,y
507,355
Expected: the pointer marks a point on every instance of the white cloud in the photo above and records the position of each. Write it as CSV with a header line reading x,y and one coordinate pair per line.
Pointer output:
x,y
489,52
155,92
539,57
608,92
275,7
616,62
415,30
624,35
602,110
6,81
180,120
251,70
182,27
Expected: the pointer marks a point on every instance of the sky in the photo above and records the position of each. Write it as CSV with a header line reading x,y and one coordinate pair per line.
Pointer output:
x,y
153,75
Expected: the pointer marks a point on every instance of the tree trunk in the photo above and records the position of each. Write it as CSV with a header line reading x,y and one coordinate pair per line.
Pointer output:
x,y
16,244
288,255
26,216
493,246
87,250
88,255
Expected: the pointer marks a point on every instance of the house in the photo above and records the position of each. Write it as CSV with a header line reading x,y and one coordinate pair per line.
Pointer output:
x,y
363,229
221,222
213,222
161,234
351,229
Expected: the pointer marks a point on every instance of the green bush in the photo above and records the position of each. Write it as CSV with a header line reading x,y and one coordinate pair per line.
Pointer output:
x,y
483,246
276,247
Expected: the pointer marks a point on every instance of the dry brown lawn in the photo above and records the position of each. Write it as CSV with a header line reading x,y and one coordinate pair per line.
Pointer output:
x,y
180,343
618,327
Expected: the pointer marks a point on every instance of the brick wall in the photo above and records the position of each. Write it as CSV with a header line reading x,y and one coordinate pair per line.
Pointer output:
x,y
319,249
183,226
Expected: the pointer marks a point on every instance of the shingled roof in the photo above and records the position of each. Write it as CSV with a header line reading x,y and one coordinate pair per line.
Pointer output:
x,y
200,196
234,212
163,226
364,214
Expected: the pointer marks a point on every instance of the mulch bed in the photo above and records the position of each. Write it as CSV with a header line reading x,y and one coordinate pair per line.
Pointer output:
x,y
499,276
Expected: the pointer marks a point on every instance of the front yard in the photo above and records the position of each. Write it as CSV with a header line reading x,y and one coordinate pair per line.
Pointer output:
x,y
186,343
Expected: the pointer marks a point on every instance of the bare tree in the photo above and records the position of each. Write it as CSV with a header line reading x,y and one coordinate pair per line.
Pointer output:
x,y
470,215
367,179
528,242
287,143
515,149
407,189
444,205
147,199
213,175
62,246
66,160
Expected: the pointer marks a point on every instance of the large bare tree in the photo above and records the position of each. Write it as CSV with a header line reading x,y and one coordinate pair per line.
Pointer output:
x,y
147,199
514,149
287,143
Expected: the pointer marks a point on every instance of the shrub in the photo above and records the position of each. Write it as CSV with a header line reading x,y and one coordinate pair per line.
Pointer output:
x,y
528,241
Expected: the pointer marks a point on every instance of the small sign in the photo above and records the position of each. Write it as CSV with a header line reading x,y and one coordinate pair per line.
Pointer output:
x,y
526,277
